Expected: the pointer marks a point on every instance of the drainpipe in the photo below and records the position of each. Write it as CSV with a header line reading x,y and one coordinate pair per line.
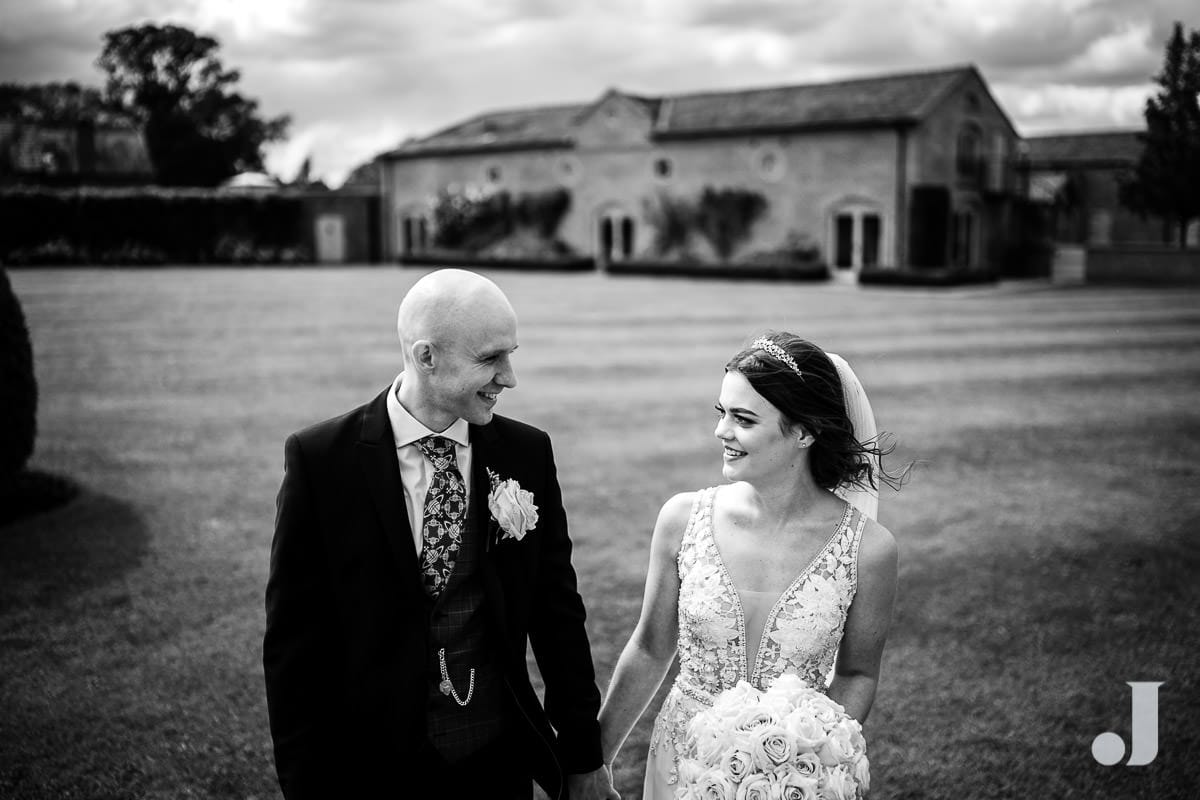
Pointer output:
x,y
901,224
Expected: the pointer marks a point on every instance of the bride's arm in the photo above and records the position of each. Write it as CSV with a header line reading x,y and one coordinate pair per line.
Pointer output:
x,y
651,648
867,623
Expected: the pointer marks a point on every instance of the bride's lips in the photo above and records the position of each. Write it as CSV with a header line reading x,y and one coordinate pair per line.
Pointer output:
x,y
731,453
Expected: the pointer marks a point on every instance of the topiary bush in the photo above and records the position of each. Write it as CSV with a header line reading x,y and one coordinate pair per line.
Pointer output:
x,y
18,387
725,217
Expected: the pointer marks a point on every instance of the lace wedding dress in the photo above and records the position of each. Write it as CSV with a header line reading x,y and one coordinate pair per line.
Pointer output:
x,y
727,634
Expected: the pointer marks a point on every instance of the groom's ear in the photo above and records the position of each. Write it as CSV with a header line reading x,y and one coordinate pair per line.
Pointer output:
x,y
422,355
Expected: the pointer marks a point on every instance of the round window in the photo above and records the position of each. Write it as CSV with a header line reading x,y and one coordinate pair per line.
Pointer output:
x,y
769,163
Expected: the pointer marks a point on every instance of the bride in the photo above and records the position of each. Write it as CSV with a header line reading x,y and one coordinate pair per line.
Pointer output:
x,y
782,570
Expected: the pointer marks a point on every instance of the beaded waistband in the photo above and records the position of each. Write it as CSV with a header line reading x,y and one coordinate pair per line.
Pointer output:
x,y
689,687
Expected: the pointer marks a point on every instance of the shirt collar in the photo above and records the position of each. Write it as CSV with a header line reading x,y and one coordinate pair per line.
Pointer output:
x,y
407,429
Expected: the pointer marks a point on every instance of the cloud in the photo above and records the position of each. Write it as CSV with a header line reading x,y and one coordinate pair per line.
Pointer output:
x,y
358,76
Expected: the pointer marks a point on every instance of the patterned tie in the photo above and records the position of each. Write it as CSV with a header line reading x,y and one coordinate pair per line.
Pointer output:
x,y
445,513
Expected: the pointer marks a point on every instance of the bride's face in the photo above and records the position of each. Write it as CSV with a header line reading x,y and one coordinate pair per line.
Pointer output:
x,y
755,445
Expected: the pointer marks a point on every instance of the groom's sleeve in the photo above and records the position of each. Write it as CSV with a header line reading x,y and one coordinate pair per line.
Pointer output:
x,y
559,639
295,651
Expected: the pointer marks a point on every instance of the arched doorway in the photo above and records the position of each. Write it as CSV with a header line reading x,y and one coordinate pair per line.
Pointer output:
x,y
616,236
856,236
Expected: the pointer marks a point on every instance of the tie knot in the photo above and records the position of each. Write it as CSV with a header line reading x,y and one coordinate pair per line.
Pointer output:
x,y
439,450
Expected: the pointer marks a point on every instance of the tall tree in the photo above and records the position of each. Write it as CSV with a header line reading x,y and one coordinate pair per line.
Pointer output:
x,y
198,128
1166,180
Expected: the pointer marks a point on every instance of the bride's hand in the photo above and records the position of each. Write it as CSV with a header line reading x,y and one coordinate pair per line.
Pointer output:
x,y
595,785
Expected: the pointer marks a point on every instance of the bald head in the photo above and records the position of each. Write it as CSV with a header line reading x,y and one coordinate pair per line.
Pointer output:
x,y
444,305
458,332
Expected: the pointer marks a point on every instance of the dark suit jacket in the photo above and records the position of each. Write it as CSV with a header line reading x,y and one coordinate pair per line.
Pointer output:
x,y
346,646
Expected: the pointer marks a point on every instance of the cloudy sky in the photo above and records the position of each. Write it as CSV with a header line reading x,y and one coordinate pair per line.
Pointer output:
x,y
359,76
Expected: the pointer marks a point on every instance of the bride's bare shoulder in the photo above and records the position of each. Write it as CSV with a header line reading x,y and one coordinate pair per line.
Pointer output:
x,y
674,514
878,549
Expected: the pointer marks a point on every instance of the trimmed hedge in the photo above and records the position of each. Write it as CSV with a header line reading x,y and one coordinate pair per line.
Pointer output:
x,y
566,264
953,276
147,225
695,269
18,386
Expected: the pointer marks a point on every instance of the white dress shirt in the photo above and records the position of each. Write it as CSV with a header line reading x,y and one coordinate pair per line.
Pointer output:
x,y
415,470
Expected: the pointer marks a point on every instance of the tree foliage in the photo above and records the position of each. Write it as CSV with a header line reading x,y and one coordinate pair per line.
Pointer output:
x,y
55,103
725,217
198,128
1166,180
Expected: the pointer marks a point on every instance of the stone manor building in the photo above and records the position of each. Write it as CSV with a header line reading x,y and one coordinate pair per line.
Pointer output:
x,y
912,170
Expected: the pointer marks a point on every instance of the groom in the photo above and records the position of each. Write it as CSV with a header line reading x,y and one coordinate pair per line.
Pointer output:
x,y
399,604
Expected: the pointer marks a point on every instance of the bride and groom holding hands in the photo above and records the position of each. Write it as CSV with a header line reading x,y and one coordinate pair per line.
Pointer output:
x,y
421,546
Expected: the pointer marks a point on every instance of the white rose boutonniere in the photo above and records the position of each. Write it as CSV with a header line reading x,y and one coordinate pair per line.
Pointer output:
x,y
512,507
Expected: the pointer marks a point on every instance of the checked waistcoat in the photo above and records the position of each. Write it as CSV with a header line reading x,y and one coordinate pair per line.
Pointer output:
x,y
452,552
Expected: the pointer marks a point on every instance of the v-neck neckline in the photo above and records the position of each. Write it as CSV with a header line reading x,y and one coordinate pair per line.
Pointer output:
x,y
746,673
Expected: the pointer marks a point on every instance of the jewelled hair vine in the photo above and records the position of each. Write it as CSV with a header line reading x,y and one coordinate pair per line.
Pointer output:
x,y
763,343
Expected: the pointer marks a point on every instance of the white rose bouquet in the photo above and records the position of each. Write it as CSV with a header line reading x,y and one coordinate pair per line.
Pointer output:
x,y
790,742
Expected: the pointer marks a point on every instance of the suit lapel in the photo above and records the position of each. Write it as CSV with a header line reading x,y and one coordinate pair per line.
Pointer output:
x,y
381,470
484,452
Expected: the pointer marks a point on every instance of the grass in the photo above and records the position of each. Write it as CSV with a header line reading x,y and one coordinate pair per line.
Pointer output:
x,y
1048,539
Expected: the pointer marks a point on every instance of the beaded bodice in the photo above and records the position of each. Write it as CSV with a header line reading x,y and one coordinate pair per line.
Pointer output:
x,y
800,634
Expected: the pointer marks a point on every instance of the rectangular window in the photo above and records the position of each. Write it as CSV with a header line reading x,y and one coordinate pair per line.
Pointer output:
x,y
870,243
844,255
961,244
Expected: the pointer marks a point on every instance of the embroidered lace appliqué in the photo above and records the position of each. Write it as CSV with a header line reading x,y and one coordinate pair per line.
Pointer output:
x,y
800,636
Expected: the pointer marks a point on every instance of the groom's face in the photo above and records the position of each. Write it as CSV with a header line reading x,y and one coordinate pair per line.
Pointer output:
x,y
475,365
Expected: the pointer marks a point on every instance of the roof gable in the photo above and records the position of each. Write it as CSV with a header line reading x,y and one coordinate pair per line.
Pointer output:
x,y
616,119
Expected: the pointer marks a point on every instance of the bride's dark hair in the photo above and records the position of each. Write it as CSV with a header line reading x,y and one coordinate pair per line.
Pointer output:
x,y
814,400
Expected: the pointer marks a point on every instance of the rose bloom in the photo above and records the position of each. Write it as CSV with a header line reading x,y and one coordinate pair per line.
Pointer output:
x,y
827,713
715,785
838,785
733,700
808,765
777,704
862,773
737,764
791,785
790,686
755,787
690,771
513,508
858,742
806,731
772,747
753,717
837,748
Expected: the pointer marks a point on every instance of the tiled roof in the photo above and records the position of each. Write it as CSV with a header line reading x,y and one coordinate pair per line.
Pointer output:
x,y
499,130
850,103
890,98
1109,148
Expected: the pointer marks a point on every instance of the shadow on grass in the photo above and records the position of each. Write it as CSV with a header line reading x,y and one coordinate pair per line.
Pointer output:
x,y
48,557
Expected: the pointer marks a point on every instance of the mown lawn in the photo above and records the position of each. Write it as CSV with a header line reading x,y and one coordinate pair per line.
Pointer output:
x,y
1048,539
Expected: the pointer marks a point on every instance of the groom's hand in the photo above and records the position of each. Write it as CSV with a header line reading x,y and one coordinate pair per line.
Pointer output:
x,y
595,785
